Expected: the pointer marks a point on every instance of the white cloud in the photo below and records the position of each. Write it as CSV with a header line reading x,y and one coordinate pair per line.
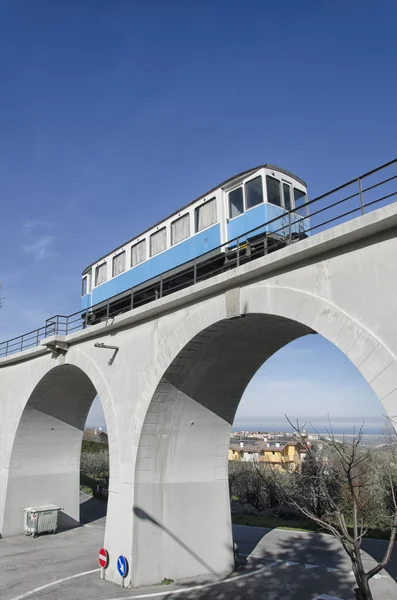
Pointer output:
x,y
41,248
30,225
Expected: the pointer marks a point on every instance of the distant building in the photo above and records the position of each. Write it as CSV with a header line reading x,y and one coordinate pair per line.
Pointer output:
x,y
95,435
288,455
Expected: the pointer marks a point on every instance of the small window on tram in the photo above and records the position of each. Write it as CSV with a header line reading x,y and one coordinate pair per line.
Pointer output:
x,y
118,264
101,274
287,196
84,286
138,253
205,215
273,191
180,229
236,203
253,192
300,202
158,241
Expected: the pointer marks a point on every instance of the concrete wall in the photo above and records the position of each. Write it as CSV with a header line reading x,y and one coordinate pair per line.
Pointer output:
x,y
171,394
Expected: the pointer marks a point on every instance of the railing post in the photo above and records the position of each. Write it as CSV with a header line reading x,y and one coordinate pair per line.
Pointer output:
x,y
107,308
161,285
238,253
38,337
86,318
67,326
21,343
7,349
360,189
289,227
195,271
132,299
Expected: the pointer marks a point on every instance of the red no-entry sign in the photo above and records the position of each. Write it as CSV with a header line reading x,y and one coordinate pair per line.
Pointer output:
x,y
103,558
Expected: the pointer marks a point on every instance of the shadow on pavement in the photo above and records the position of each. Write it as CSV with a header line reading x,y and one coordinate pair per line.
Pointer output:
x,y
310,549
288,568
91,509
376,549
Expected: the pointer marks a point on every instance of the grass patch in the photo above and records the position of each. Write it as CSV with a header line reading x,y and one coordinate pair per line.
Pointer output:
x,y
304,525
87,490
167,581
91,446
258,521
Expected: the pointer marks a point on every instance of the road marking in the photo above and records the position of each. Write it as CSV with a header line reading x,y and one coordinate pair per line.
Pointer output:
x,y
326,597
47,585
153,595
193,588
310,566
331,570
289,563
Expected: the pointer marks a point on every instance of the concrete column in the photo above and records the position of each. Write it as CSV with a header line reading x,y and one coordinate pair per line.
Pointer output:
x,y
182,523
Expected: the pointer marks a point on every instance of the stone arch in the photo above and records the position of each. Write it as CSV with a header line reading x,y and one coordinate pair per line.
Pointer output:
x,y
181,466
44,466
364,348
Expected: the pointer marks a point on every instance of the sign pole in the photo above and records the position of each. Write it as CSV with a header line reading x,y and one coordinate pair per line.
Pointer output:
x,y
103,558
122,567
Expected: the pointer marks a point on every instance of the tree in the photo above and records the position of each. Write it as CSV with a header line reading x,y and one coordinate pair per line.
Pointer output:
x,y
338,486
95,463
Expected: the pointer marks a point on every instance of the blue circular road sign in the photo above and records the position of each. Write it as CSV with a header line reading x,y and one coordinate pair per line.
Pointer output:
x,y
122,566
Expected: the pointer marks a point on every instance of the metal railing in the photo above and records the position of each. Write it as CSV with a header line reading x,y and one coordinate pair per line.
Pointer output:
x,y
354,198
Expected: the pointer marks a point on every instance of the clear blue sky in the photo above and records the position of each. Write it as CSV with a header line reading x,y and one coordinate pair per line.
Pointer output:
x,y
115,113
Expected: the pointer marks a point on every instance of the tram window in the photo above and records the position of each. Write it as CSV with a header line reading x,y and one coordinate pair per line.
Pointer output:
x,y
118,264
287,196
273,190
84,286
205,215
101,274
138,253
158,241
253,192
180,229
300,202
236,203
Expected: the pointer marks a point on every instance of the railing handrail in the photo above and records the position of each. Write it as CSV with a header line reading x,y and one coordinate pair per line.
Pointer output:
x,y
62,323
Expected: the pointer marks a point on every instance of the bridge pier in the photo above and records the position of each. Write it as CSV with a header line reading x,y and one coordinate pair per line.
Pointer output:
x,y
181,503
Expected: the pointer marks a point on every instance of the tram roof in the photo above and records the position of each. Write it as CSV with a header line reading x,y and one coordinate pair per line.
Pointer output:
x,y
225,183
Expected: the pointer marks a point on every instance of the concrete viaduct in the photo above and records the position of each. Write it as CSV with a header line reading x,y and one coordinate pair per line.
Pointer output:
x,y
172,391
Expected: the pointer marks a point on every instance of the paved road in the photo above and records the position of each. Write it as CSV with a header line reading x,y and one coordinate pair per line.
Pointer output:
x,y
281,565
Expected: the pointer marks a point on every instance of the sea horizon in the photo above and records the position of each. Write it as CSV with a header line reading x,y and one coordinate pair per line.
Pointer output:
x,y
340,425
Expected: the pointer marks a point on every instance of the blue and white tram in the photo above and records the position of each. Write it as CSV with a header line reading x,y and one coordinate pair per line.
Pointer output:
x,y
266,199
